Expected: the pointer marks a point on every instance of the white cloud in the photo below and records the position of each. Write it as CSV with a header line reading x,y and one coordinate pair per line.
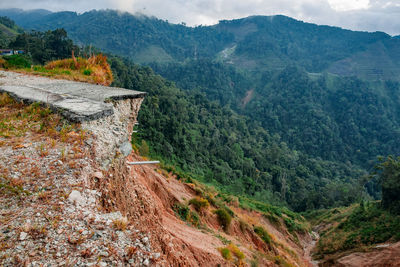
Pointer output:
x,y
346,5
367,15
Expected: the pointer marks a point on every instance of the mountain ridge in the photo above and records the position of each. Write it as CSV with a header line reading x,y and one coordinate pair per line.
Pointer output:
x,y
263,42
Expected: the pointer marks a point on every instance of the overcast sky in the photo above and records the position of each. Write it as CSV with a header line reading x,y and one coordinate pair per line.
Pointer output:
x,y
366,15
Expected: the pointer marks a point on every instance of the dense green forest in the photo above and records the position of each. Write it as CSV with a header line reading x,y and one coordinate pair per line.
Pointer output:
x,y
220,147
45,46
285,136
335,118
389,178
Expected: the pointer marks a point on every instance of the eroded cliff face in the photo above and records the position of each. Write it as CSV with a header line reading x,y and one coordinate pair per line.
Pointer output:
x,y
113,133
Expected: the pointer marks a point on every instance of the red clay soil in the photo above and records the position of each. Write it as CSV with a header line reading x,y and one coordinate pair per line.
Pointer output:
x,y
385,256
145,195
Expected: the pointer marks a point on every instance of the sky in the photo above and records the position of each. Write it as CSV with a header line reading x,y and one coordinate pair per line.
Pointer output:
x,y
364,15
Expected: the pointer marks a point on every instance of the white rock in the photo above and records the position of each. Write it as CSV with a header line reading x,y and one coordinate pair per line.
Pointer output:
x,y
22,236
98,175
146,262
104,253
76,197
126,148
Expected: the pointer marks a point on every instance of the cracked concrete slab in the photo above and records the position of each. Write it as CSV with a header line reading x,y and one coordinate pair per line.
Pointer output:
x,y
76,101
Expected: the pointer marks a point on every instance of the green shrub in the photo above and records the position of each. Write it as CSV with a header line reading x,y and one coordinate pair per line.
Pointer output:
x,y
223,239
212,200
229,210
272,218
144,149
186,214
281,261
194,218
232,249
292,226
199,204
226,253
263,234
18,61
87,72
224,218
182,211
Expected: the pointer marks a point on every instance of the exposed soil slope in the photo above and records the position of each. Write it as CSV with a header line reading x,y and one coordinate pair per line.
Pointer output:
x,y
146,195
388,255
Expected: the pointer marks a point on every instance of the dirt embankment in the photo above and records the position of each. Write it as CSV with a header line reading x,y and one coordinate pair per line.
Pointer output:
x,y
384,255
146,195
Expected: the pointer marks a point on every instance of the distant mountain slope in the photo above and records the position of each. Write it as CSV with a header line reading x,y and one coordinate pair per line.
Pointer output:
x,y
24,17
8,30
273,42
335,118
257,42
138,37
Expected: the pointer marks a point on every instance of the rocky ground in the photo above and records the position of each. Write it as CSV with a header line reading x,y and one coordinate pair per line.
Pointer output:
x,y
49,213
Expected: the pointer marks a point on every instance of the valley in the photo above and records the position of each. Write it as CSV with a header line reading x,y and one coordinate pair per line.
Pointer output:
x,y
278,139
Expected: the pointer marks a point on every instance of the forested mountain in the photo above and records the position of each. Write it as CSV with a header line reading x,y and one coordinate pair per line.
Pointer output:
x,y
271,107
8,31
257,42
335,118
231,151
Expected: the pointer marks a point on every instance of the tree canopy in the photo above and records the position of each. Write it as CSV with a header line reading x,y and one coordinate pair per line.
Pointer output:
x,y
389,174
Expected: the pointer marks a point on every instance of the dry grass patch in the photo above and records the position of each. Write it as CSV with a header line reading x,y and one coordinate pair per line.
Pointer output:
x,y
120,224
18,119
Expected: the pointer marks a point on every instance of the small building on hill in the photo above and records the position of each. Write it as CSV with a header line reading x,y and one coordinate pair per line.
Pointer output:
x,y
10,52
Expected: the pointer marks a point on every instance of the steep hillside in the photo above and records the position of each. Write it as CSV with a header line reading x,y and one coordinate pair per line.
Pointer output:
x,y
138,37
335,118
23,16
359,235
8,31
218,146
